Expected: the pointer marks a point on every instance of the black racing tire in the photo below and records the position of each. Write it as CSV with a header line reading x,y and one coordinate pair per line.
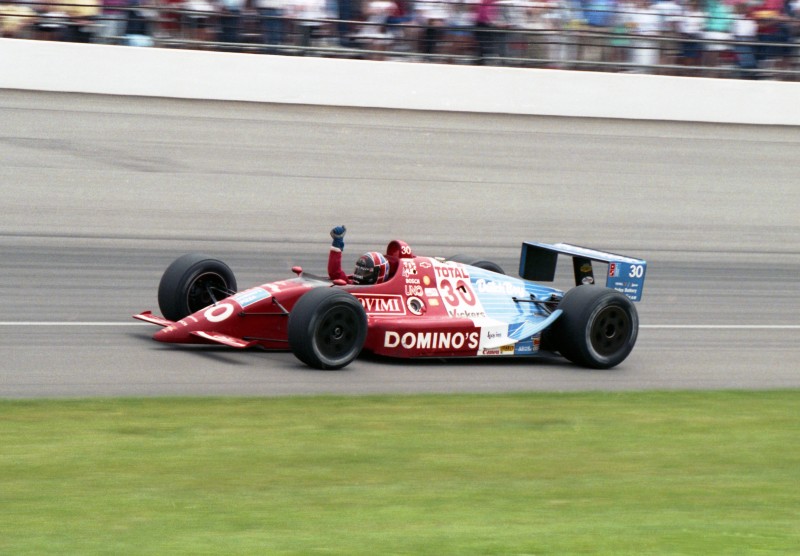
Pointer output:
x,y
327,328
476,262
598,327
193,282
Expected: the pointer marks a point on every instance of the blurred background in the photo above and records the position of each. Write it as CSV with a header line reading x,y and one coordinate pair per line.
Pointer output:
x,y
739,39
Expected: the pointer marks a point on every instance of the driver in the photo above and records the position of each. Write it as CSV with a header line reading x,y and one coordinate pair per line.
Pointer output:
x,y
371,268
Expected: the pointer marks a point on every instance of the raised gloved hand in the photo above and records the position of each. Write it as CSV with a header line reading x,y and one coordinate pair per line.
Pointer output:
x,y
338,236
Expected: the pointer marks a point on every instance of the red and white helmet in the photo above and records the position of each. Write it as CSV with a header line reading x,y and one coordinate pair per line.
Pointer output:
x,y
371,268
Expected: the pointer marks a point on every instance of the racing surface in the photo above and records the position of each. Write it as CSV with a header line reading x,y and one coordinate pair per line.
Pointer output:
x,y
100,194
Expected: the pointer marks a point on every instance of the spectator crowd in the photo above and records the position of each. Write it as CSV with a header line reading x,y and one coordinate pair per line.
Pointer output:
x,y
741,38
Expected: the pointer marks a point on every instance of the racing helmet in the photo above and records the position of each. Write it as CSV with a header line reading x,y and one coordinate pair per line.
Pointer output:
x,y
371,268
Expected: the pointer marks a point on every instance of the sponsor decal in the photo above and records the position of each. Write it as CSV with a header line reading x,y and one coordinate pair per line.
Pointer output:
x,y
432,340
527,347
381,304
626,279
451,272
249,297
425,264
218,313
409,268
587,280
466,314
431,292
502,350
586,268
508,288
411,289
524,348
433,302
493,336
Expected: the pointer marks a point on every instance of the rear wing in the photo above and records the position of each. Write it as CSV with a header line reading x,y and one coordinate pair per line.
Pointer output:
x,y
625,274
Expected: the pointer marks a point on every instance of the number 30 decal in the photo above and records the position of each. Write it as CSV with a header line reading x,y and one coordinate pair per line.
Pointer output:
x,y
461,288
636,271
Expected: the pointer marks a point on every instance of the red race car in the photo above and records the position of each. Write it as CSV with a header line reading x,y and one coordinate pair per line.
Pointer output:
x,y
425,307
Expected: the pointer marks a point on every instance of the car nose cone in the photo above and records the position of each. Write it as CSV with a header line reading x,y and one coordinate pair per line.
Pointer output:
x,y
173,334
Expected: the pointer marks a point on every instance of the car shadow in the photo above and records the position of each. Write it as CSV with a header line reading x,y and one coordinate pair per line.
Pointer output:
x,y
544,360
231,356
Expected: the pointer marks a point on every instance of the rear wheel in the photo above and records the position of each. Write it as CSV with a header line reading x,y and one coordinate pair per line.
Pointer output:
x,y
476,262
193,282
598,328
327,328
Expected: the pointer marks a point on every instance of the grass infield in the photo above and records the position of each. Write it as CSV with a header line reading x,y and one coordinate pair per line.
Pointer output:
x,y
590,473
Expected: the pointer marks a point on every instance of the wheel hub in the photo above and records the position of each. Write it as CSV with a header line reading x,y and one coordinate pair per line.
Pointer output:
x,y
610,330
201,292
336,332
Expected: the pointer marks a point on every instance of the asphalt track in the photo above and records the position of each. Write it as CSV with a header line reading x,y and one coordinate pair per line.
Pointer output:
x,y
100,194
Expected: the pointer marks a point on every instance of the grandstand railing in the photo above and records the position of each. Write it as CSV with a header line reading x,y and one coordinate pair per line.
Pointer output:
x,y
540,35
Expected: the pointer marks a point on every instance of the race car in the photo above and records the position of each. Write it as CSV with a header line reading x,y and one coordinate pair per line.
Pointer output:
x,y
428,307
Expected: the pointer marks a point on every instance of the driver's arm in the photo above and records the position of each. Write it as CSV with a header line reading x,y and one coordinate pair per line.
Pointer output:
x,y
335,271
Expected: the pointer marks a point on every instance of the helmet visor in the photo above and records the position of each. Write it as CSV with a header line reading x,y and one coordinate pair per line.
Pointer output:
x,y
365,272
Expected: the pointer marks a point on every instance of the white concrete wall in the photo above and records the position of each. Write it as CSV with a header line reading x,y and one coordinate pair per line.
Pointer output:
x,y
50,66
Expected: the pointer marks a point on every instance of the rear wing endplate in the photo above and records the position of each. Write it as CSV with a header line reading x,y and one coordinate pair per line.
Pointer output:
x,y
625,274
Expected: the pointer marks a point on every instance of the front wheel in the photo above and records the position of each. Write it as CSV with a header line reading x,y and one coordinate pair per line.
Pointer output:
x,y
598,328
193,282
327,328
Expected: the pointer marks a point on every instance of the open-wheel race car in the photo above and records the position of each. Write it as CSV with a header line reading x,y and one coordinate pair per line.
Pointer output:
x,y
428,307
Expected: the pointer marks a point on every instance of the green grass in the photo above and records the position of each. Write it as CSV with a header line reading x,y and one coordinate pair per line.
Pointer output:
x,y
634,473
